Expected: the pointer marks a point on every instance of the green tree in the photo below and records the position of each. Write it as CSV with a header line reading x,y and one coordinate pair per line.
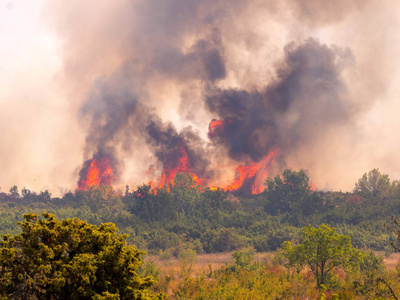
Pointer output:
x,y
150,205
70,259
14,192
222,240
322,250
291,192
102,199
186,193
373,184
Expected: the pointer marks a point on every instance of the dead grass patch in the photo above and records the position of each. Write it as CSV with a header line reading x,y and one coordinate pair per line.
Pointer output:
x,y
391,261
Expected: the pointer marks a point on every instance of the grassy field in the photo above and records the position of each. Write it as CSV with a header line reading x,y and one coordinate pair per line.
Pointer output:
x,y
173,271
202,262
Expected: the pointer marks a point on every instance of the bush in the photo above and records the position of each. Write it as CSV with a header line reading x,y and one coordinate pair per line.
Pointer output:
x,y
70,259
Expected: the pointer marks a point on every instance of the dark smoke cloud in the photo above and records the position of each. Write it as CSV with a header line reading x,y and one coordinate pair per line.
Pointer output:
x,y
308,96
170,146
119,106
148,75
110,106
203,61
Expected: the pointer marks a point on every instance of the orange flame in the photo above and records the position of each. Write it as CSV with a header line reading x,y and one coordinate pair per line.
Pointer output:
x,y
250,176
313,186
99,172
168,175
253,173
217,126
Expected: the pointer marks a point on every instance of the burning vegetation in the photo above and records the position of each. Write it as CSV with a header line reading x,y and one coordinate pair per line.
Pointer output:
x,y
182,165
256,132
217,127
96,171
249,177
252,176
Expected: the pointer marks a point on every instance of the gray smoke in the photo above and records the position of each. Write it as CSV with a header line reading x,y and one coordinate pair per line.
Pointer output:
x,y
147,77
203,61
307,97
109,107
170,147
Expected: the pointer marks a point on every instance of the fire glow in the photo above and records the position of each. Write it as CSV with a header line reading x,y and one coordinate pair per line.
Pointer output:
x,y
98,172
249,177
217,126
168,175
253,174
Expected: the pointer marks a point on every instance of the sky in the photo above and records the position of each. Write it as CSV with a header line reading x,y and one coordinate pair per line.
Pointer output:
x,y
79,77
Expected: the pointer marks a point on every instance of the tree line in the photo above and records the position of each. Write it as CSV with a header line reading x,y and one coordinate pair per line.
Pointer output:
x,y
190,216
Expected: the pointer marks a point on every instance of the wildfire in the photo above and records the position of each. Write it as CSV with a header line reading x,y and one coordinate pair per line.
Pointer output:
x,y
217,126
249,177
98,172
168,175
313,186
252,175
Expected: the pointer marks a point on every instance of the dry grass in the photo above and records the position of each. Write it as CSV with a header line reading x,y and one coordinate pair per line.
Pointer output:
x,y
218,260
171,265
203,262
391,261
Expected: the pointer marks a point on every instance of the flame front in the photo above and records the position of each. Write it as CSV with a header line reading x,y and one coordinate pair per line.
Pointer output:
x,y
249,178
99,172
168,175
252,175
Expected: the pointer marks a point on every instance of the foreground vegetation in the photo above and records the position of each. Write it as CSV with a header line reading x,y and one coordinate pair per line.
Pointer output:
x,y
190,220
71,259
250,275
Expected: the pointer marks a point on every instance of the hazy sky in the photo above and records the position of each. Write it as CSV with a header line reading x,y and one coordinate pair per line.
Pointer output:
x,y
56,56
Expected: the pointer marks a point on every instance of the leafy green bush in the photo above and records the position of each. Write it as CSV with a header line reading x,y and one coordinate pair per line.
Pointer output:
x,y
70,259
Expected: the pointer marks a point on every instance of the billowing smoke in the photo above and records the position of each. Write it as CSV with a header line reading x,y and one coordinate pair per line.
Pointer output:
x,y
110,106
212,87
203,61
307,97
183,152
187,44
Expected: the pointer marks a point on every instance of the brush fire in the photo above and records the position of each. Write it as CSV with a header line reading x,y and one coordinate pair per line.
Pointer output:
x,y
97,171
254,131
249,177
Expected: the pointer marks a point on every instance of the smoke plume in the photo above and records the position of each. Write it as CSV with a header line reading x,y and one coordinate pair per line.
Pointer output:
x,y
211,87
165,47
307,97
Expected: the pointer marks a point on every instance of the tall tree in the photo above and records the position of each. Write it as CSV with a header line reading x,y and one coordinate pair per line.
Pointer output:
x,y
101,199
291,192
322,250
150,205
14,192
70,259
186,192
373,184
